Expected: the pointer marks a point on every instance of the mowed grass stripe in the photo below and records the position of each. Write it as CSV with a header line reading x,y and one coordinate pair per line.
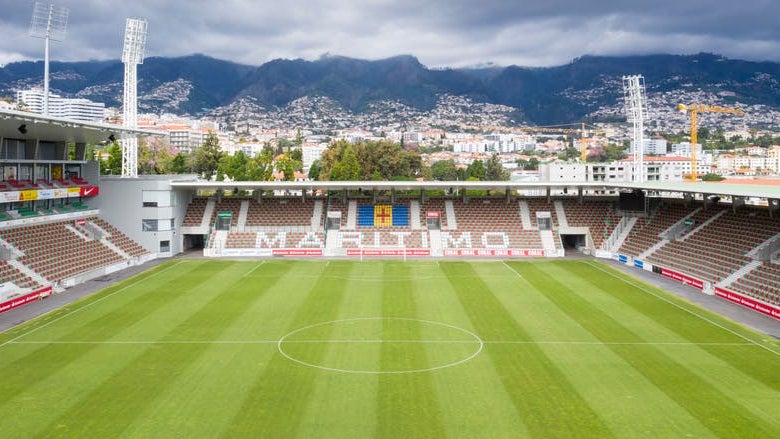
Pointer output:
x,y
21,365
749,360
343,404
407,404
126,394
546,401
202,399
278,399
471,395
716,410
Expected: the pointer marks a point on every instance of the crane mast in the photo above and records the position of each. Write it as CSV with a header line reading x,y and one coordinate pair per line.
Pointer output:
x,y
694,109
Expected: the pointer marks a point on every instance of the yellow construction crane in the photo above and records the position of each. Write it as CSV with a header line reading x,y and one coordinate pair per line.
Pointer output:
x,y
694,109
582,131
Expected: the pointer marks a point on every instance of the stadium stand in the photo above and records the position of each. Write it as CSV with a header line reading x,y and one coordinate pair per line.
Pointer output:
x,y
195,211
58,250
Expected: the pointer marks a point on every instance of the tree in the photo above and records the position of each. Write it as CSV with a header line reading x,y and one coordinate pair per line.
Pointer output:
x,y
154,156
494,170
712,177
113,164
287,166
235,167
180,163
314,170
476,170
444,170
206,159
347,168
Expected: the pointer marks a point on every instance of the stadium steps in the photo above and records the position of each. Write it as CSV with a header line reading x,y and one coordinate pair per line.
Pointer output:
x,y
414,207
243,212
652,249
548,241
766,249
316,215
525,215
115,248
27,271
619,234
449,209
435,243
702,225
352,215
10,251
561,213
208,213
739,274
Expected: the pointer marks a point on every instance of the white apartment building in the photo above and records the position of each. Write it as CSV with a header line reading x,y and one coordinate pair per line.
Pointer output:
x,y
656,169
74,109
652,146
311,152
683,149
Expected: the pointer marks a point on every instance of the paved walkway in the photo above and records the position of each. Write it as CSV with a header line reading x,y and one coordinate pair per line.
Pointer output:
x,y
752,319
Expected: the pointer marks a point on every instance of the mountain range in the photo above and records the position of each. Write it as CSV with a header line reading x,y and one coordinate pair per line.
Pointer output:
x,y
196,84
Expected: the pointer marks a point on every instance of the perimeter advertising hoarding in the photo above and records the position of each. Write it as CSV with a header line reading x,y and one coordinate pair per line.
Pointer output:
x,y
747,302
493,252
23,300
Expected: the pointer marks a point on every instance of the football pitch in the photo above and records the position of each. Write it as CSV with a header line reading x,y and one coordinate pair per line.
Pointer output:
x,y
295,348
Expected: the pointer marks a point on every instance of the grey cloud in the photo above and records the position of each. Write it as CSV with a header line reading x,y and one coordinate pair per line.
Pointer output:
x,y
439,32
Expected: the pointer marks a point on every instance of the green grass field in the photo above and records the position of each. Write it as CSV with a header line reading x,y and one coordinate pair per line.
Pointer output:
x,y
281,348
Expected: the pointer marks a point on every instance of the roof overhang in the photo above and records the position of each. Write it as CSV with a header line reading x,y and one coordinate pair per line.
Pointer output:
x,y
55,129
733,190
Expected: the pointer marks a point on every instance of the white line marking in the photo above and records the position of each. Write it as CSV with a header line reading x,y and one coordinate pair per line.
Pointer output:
x,y
253,269
641,287
475,340
89,304
380,341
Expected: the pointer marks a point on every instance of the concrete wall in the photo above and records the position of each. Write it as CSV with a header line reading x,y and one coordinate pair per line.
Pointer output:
x,y
121,203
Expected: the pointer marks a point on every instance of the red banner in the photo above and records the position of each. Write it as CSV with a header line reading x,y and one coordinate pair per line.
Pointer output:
x,y
683,278
23,300
493,252
89,191
747,302
388,252
297,252
431,214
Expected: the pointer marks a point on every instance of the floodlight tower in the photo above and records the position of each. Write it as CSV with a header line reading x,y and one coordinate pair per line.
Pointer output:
x,y
48,23
132,55
636,112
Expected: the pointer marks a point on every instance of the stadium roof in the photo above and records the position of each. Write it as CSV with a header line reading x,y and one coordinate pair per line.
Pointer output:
x,y
57,129
735,190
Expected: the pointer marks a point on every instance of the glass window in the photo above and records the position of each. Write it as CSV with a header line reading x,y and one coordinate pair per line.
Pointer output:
x,y
165,246
149,225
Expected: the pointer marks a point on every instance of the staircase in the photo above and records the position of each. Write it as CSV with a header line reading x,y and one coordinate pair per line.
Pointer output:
x,y
619,235
525,215
548,242
435,243
30,273
561,212
652,249
243,212
352,215
316,215
207,214
735,276
449,210
332,243
414,211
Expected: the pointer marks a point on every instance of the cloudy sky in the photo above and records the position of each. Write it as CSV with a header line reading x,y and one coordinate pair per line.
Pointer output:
x,y
440,33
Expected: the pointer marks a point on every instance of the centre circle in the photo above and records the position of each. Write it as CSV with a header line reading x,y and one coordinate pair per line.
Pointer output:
x,y
380,345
